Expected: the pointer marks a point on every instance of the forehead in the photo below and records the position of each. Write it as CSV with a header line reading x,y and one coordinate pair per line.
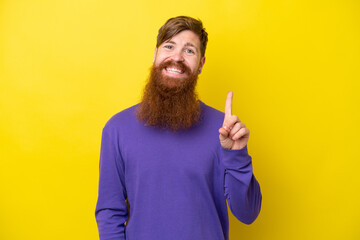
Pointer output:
x,y
185,37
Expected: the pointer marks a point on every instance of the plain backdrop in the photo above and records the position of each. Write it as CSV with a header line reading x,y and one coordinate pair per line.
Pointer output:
x,y
67,66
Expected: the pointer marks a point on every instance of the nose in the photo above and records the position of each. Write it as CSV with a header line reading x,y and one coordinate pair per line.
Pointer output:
x,y
178,56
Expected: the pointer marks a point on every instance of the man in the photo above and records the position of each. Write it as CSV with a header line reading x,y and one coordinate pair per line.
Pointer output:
x,y
169,164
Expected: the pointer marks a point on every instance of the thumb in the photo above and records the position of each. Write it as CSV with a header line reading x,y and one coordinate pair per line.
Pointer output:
x,y
223,134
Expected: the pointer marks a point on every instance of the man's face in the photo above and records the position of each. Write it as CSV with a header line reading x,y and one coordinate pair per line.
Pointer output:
x,y
179,58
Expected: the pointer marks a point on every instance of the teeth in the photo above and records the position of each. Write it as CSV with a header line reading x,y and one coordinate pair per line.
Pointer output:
x,y
174,70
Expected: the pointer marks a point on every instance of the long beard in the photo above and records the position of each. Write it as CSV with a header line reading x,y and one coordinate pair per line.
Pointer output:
x,y
170,103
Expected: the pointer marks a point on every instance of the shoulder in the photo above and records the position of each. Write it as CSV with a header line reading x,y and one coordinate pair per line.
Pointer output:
x,y
124,118
211,113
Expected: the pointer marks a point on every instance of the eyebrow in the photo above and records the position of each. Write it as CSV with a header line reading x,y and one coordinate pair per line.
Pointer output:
x,y
172,42
190,45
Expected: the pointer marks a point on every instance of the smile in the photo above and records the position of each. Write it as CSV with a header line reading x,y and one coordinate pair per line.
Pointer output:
x,y
174,70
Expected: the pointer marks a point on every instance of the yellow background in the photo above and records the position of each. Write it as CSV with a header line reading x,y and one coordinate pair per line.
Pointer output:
x,y
67,66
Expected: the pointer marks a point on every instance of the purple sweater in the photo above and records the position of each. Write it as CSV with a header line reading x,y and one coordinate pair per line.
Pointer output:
x,y
176,183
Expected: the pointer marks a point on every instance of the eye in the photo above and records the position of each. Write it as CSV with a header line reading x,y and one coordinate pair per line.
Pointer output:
x,y
189,51
168,46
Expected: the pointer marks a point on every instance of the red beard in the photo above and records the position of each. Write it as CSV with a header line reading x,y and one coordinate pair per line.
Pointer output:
x,y
170,103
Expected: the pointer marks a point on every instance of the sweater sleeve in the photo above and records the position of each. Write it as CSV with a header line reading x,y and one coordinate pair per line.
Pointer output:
x,y
242,190
111,210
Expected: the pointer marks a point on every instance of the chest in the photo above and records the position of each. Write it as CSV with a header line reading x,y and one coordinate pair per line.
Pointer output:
x,y
167,158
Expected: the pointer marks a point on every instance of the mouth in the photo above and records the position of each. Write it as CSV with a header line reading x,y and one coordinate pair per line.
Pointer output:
x,y
174,71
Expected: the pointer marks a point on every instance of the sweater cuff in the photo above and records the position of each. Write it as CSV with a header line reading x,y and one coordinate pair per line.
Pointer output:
x,y
232,158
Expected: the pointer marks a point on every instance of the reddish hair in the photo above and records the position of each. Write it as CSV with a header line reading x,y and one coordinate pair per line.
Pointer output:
x,y
175,25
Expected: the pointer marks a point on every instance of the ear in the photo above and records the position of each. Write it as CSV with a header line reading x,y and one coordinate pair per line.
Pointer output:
x,y
154,55
202,62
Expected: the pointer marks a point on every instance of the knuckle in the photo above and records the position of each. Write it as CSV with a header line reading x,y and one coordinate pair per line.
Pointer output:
x,y
226,128
233,119
241,132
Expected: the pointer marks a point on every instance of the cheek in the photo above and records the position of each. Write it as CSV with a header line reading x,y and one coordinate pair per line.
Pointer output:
x,y
162,54
157,61
194,65
160,59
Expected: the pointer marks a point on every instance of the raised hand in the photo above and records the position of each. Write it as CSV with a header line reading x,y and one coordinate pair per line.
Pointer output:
x,y
233,133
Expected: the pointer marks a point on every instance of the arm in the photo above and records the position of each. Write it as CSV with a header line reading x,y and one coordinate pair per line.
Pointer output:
x,y
242,190
111,209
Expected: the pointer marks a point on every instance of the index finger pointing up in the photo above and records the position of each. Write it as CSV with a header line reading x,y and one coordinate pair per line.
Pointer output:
x,y
228,104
